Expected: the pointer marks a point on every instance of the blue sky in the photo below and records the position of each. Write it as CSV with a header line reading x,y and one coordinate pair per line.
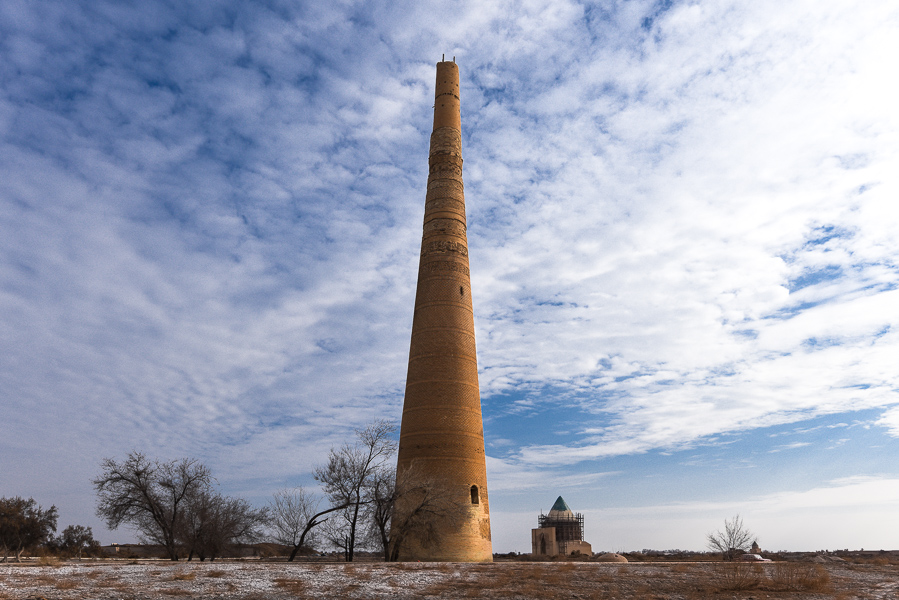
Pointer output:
x,y
682,230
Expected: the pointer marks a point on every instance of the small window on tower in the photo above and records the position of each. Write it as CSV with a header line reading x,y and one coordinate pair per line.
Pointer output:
x,y
461,291
474,495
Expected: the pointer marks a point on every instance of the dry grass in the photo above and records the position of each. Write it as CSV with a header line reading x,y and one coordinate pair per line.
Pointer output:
x,y
294,586
738,576
518,581
108,582
67,584
778,577
358,572
437,590
796,576
184,576
531,580
48,561
175,592
45,579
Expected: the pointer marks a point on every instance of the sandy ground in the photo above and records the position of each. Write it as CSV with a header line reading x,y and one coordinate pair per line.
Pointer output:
x,y
156,580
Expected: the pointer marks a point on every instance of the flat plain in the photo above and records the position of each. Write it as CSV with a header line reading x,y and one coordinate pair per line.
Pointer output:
x,y
257,580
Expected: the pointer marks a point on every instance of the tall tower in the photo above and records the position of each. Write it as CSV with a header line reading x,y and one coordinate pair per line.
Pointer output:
x,y
442,433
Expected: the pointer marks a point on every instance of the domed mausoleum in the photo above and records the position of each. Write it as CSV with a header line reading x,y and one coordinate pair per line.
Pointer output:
x,y
560,533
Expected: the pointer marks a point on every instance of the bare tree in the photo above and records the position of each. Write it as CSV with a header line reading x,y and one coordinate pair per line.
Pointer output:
x,y
210,523
734,540
347,474
381,493
149,495
336,532
417,503
293,514
24,524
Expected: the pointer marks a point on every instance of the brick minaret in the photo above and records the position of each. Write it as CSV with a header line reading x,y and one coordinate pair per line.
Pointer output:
x,y
442,434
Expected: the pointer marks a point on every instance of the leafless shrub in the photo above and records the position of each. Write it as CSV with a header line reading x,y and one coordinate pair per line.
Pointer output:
x,y
816,579
216,573
294,586
108,582
184,576
359,573
566,567
602,576
795,576
66,584
45,579
736,576
48,561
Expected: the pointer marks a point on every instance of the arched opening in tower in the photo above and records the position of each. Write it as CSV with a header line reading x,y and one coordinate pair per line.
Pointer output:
x,y
474,495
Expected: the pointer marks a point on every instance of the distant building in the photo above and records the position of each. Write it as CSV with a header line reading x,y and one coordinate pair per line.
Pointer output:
x,y
560,533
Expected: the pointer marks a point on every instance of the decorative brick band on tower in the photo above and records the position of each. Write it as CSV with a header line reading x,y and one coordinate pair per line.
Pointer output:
x,y
442,434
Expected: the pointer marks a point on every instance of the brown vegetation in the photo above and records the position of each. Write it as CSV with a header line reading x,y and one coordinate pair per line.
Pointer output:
x,y
518,580
294,586
184,576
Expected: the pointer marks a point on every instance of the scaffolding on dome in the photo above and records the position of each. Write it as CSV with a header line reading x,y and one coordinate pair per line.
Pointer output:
x,y
569,528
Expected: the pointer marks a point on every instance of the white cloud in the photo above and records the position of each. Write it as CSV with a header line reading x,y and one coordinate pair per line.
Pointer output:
x,y
722,173
209,220
849,513
890,420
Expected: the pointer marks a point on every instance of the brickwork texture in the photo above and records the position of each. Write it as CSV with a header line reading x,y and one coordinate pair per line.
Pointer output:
x,y
442,433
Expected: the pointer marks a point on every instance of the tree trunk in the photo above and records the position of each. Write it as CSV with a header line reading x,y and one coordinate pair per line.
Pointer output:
x,y
293,554
351,542
312,523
